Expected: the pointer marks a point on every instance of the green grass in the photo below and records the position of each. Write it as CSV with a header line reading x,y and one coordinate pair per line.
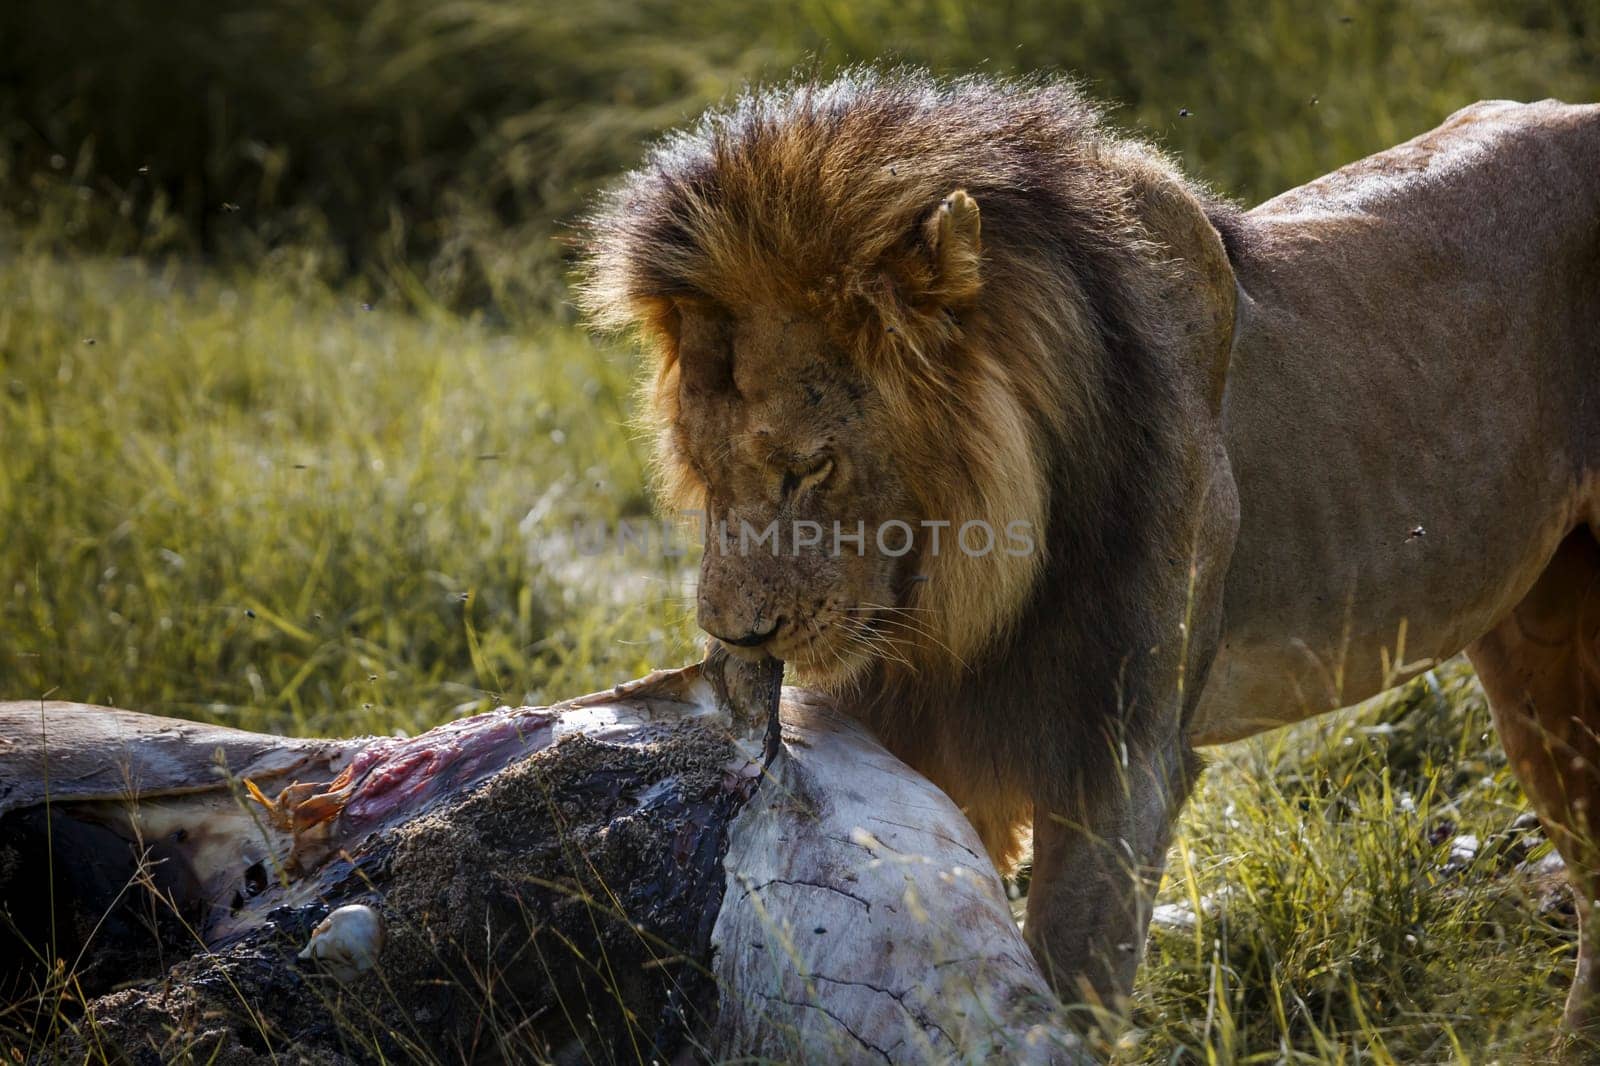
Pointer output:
x,y
1335,927
258,502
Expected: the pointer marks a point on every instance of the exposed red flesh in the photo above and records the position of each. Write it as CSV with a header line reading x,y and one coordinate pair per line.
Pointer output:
x,y
394,773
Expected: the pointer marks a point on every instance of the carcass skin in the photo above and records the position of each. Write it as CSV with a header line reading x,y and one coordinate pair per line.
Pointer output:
x,y
622,874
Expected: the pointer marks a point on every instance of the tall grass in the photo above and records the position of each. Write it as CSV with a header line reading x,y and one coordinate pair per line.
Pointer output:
x,y
262,502
1360,889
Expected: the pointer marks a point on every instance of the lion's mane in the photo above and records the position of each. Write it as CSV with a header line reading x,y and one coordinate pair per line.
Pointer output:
x,y
1038,393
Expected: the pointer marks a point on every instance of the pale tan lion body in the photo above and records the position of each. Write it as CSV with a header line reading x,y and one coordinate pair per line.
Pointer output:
x,y
1412,414
1412,420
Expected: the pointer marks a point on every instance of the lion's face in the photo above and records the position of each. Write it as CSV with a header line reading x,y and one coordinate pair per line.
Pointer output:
x,y
845,376
779,435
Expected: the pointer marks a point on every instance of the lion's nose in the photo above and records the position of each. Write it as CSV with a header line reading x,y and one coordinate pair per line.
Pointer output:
x,y
751,639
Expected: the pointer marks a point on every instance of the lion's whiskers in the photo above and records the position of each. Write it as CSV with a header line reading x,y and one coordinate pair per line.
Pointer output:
x,y
884,645
884,615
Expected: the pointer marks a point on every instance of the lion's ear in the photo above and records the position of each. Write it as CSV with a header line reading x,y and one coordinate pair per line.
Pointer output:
x,y
952,237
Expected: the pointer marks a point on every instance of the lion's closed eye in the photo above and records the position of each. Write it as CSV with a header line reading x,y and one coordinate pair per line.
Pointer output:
x,y
807,475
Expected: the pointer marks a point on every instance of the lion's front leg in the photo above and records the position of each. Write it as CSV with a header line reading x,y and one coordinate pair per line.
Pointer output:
x,y
1097,860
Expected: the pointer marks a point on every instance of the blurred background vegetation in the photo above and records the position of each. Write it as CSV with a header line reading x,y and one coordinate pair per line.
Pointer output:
x,y
450,141
295,415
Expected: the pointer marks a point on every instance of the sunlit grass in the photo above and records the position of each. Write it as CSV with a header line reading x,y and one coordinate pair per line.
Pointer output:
x,y
266,504
1335,923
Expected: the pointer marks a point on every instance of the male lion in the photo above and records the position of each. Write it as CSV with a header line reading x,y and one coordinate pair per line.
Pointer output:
x,y
1272,462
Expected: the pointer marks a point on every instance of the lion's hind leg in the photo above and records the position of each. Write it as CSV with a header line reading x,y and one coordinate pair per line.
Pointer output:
x,y
1541,669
